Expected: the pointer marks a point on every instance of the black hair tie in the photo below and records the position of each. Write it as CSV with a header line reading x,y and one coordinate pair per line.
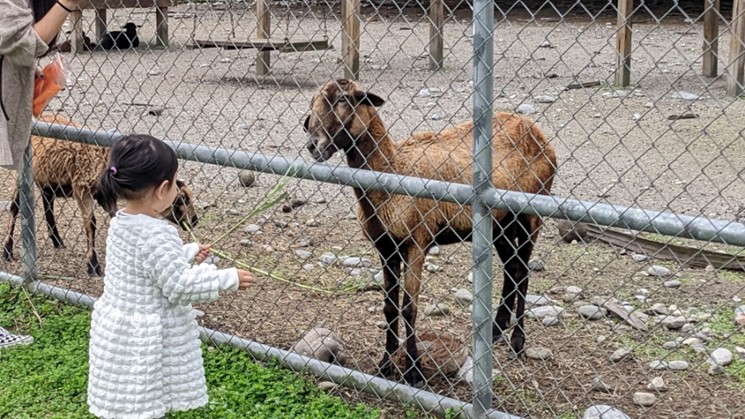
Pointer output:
x,y
63,6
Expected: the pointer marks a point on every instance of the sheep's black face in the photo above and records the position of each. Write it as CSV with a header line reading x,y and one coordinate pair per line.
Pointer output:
x,y
182,211
336,121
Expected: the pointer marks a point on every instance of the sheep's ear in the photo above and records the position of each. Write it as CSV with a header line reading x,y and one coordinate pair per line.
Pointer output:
x,y
306,123
366,98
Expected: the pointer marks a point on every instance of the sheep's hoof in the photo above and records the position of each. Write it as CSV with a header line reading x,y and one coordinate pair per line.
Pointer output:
x,y
517,344
385,367
414,377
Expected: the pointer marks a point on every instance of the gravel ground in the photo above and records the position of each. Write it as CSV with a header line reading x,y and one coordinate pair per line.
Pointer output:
x,y
614,145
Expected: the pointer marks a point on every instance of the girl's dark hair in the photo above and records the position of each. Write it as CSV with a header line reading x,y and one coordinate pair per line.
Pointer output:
x,y
40,8
136,164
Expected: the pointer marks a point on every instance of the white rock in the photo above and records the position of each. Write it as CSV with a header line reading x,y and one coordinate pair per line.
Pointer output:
x,y
327,258
686,96
354,261
721,357
550,321
657,384
303,254
620,354
657,270
573,290
644,399
252,228
545,99
603,411
637,257
538,352
463,297
592,312
544,311
678,365
535,300
525,109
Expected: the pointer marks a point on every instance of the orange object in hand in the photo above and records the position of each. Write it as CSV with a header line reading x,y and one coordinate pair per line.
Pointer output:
x,y
48,84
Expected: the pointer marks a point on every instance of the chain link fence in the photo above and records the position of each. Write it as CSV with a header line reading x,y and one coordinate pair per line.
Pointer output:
x,y
644,317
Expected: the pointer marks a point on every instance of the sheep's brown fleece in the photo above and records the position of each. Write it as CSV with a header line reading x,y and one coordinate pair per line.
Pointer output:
x,y
403,228
68,169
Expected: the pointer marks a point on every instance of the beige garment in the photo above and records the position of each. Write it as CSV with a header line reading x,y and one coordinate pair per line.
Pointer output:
x,y
19,47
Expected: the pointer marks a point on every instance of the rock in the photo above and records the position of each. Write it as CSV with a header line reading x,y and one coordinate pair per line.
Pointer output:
x,y
433,310
671,284
649,105
280,223
199,313
691,341
592,312
620,354
686,96
327,385
657,384
434,250
538,352
545,99
544,311
550,321
436,117
304,242
246,178
309,266
535,300
740,351
327,258
644,399
312,223
535,265
636,117
674,323
424,92
670,345
678,365
715,370
233,211
463,297
599,385
699,347
322,344
381,325
525,109
657,270
431,267
303,254
636,257
354,261
659,365
603,411
252,229
658,308
573,290
721,357
246,242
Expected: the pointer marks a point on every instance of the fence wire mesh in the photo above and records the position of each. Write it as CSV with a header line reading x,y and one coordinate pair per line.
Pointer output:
x,y
648,324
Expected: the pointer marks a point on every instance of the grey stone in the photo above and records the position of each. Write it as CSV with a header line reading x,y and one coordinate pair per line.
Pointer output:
x,y
603,411
678,365
715,370
545,99
644,399
535,300
303,254
673,283
381,325
658,308
699,347
280,223
592,312
246,178
637,257
659,365
309,266
354,261
620,354
535,265
599,385
670,345
436,117
673,323
658,270
721,357
463,297
550,321
327,258
431,267
233,211
252,228
573,290
433,310
657,384
434,250
538,352
545,311
312,223
686,96
305,242
525,109
246,242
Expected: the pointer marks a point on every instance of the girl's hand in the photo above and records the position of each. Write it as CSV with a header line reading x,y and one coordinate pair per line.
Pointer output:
x,y
204,251
245,279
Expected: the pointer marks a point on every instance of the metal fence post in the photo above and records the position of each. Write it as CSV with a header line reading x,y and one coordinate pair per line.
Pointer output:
x,y
28,223
483,58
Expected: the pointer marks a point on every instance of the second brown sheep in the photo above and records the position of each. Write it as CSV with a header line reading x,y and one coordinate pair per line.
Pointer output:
x,y
343,117
65,169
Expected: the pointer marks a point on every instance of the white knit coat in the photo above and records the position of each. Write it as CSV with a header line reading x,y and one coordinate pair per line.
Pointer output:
x,y
145,357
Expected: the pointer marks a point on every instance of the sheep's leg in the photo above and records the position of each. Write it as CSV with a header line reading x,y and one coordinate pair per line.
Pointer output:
x,y
8,242
85,202
412,282
503,243
391,262
527,234
47,196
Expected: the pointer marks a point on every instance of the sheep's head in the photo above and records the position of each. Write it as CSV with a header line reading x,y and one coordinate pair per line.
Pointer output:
x,y
182,211
340,113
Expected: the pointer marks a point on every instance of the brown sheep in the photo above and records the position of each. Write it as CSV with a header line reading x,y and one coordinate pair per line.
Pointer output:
x,y
65,169
403,228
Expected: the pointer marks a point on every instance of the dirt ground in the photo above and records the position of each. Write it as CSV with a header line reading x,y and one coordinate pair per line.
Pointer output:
x,y
614,145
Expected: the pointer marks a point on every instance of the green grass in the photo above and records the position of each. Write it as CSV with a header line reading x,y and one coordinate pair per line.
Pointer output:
x,y
49,378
